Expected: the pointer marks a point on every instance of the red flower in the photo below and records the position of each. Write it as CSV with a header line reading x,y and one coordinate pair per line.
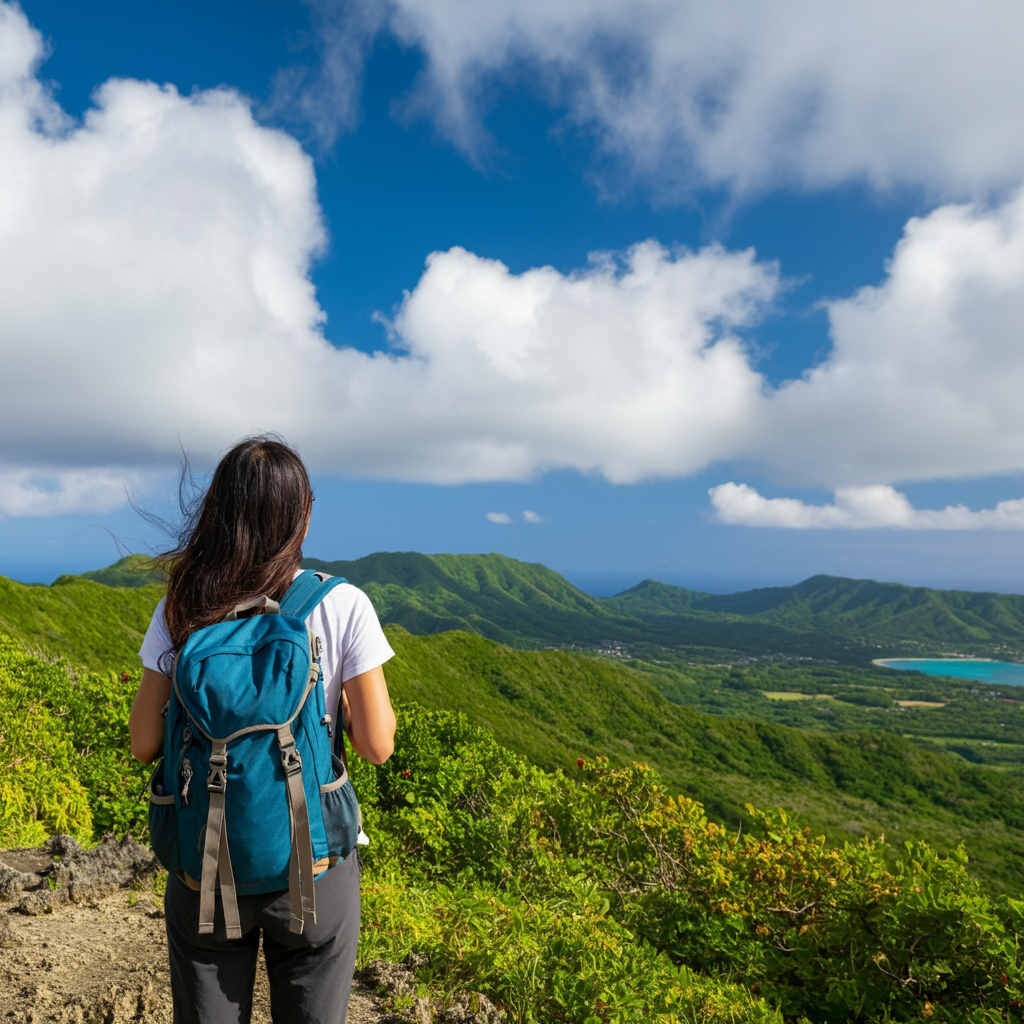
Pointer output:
x,y
125,677
407,774
579,762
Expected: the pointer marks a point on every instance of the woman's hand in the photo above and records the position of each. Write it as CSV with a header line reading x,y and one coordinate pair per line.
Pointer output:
x,y
146,722
369,718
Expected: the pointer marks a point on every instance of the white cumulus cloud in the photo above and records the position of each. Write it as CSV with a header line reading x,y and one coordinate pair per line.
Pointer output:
x,y
501,518
926,375
25,492
154,287
857,508
532,517
746,93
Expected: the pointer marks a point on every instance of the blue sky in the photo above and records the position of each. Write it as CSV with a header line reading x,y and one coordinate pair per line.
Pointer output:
x,y
219,216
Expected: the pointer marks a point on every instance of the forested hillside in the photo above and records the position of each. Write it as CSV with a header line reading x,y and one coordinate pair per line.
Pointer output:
x,y
825,617
553,706
842,606
575,832
98,626
583,896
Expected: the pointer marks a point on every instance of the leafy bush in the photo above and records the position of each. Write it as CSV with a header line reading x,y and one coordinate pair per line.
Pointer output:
x,y
589,897
64,761
40,791
826,935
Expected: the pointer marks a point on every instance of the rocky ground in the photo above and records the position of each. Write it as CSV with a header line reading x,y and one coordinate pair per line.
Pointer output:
x,y
82,942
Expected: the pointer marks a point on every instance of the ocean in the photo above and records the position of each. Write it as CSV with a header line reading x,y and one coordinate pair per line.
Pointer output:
x,y
1003,673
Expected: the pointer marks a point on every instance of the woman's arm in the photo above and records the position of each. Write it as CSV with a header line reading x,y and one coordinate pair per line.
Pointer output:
x,y
146,722
369,718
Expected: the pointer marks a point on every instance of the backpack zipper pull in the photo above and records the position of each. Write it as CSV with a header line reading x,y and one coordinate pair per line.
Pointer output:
x,y
326,720
186,777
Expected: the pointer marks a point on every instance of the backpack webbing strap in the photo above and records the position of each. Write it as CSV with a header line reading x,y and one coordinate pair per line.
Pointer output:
x,y
216,857
307,591
300,864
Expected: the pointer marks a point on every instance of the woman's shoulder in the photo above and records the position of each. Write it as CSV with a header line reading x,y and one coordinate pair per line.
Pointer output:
x,y
346,601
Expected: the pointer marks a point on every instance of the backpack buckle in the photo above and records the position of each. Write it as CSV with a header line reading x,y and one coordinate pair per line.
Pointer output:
x,y
290,760
217,780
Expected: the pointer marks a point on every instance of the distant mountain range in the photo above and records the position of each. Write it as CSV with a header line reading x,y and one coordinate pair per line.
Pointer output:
x,y
130,571
554,705
528,605
524,605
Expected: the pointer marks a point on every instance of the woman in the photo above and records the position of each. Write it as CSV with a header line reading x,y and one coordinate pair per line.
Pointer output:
x,y
245,540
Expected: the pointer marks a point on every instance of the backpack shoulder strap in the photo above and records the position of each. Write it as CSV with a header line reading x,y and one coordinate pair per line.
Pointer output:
x,y
308,590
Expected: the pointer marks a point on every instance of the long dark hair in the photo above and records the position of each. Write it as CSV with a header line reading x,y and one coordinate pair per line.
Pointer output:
x,y
243,539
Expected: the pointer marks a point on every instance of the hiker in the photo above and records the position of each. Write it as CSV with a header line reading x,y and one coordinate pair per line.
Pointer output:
x,y
238,561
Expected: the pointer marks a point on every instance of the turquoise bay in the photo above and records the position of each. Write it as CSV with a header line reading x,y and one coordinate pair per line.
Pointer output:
x,y
1004,673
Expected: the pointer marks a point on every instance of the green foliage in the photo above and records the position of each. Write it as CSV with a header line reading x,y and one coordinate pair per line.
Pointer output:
x,y
599,896
587,896
553,706
90,624
130,571
40,791
559,959
64,761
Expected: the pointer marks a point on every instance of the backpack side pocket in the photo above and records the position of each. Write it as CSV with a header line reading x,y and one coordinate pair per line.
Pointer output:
x,y
340,809
163,822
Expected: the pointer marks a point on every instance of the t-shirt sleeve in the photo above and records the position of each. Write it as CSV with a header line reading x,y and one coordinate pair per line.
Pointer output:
x,y
363,644
353,640
156,651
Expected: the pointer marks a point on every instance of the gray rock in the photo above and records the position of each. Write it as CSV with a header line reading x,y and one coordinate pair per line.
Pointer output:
x,y
43,901
62,846
398,980
8,936
13,882
90,874
470,1008
395,979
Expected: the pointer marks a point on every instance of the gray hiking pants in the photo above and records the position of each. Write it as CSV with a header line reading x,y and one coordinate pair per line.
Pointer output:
x,y
310,974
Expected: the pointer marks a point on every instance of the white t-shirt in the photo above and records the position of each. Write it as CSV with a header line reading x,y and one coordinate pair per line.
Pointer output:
x,y
345,621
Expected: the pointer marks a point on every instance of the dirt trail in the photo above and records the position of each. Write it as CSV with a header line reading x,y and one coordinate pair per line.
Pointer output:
x,y
90,956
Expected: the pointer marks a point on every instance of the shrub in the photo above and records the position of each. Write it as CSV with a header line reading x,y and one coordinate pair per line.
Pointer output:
x,y
596,897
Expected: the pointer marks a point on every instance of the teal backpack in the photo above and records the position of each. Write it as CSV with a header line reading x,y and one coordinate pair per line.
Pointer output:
x,y
247,713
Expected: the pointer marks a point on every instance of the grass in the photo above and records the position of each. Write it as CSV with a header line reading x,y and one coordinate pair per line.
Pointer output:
x,y
93,625
555,706
788,695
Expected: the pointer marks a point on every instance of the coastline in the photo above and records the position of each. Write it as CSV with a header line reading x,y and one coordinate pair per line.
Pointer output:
x,y
884,662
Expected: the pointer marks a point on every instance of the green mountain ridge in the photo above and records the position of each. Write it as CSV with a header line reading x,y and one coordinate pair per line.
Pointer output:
x,y
130,571
89,623
555,705
843,605
826,617
493,595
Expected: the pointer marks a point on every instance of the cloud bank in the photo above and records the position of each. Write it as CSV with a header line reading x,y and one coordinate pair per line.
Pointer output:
x,y
738,93
39,492
154,287
857,508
